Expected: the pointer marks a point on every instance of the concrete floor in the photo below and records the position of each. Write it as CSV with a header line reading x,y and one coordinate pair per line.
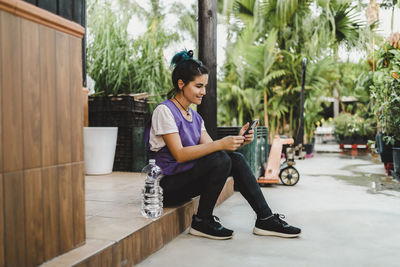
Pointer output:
x,y
348,211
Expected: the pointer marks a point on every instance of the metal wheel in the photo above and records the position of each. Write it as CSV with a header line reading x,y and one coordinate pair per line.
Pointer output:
x,y
289,176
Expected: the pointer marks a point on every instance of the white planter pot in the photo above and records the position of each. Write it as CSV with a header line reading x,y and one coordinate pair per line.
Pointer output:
x,y
99,144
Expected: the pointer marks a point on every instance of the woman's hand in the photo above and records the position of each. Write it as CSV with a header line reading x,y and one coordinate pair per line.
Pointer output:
x,y
231,143
249,137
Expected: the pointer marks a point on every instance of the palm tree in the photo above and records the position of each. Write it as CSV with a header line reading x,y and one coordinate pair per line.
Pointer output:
x,y
344,27
282,19
267,41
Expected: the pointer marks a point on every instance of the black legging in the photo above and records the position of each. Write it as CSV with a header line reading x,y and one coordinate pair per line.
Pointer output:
x,y
208,177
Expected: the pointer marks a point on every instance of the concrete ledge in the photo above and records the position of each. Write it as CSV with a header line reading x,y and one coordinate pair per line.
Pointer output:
x,y
116,233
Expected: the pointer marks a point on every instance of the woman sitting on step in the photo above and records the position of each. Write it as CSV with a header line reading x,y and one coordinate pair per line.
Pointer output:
x,y
194,164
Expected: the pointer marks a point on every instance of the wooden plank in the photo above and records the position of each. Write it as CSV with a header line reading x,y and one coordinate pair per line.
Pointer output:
x,y
34,217
78,196
14,224
31,92
1,136
107,257
65,208
50,213
25,10
75,56
127,251
63,102
48,96
137,247
102,258
151,239
117,255
11,92
2,263
94,261
85,100
49,5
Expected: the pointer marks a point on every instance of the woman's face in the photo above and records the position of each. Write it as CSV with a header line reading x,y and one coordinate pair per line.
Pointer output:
x,y
196,89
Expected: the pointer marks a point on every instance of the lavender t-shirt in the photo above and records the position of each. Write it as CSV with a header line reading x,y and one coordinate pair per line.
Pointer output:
x,y
189,132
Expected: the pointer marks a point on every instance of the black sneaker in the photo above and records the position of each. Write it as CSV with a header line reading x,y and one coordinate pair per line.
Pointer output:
x,y
210,228
275,226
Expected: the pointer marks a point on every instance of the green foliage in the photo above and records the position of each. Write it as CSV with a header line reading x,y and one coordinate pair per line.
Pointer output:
x,y
152,74
231,97
187,18
345,23
385,92
349,125
118,63
266,45
109,51
362,86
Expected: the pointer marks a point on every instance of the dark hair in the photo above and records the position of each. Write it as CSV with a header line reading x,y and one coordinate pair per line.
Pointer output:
x,y
186,68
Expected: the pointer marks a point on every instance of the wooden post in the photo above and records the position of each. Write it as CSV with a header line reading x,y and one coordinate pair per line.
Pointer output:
x,y
207,32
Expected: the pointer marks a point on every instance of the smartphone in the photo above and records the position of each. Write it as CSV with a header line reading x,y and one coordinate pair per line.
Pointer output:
x,y
252,125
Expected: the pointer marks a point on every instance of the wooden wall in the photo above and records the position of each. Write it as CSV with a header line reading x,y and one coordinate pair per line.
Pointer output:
x,y
74,10
41,140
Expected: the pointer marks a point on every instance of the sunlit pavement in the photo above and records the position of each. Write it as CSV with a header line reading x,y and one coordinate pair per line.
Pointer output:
x,y
348,211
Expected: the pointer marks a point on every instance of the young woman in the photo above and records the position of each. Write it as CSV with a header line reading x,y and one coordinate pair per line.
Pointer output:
x,y
194,164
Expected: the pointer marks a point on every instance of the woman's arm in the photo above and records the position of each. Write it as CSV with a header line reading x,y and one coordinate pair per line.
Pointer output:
x,y
205,138
182,154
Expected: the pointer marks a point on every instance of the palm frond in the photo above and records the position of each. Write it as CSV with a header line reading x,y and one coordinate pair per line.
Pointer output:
x,y
285,9
245,10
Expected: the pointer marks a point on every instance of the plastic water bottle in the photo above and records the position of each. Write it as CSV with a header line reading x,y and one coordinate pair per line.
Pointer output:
x,y
152,194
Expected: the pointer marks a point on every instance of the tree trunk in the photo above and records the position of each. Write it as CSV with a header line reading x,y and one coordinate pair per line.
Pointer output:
x,y
291,121
207,42
265,108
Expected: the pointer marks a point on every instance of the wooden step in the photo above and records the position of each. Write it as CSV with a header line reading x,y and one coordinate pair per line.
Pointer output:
x,y
116,232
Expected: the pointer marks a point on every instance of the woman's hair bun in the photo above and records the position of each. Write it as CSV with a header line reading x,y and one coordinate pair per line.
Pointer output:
x,y
181,57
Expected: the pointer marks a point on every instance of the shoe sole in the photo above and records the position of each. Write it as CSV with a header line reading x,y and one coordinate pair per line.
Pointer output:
x,y
198,233
258,231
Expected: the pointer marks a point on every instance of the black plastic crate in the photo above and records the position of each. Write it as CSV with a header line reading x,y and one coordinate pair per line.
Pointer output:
x,y
130,116
226,131
256,152
117,118
118,103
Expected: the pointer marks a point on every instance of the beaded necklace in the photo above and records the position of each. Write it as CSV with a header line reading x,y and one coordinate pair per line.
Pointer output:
x,y
187,111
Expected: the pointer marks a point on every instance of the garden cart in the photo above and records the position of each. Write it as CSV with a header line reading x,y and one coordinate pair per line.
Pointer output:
x,y
286,171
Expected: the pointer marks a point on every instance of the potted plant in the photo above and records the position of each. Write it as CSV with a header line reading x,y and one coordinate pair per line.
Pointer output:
x,y
99,149
353,129
386,95
342,125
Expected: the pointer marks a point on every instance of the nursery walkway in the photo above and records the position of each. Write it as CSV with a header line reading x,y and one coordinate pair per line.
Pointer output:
x,y
348,211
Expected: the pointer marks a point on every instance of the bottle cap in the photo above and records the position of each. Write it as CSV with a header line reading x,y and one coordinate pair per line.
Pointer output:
x,y
152,161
